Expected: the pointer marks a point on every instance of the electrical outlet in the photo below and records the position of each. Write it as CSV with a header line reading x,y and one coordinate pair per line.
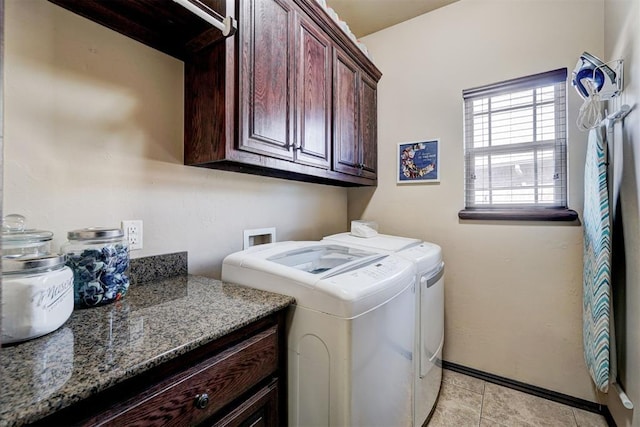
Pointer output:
x,y
133,233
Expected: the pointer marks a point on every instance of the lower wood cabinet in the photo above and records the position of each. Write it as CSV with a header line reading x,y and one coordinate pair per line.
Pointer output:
x,y
259,410
238,380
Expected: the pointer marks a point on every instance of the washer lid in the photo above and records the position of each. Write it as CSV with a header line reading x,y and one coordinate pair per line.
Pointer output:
x,y
325,260
327,277
303,263
383,242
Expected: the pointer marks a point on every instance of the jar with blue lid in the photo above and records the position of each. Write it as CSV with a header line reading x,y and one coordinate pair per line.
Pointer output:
x,y
99,259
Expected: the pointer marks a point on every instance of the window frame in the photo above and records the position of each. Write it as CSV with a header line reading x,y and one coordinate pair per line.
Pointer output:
x,y
526,212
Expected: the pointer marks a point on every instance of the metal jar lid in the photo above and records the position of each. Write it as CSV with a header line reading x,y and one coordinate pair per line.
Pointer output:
x,y
15,234
95,233
28,264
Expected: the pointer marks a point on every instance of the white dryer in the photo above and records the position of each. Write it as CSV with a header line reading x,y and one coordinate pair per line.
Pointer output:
x,y
429,330
350,332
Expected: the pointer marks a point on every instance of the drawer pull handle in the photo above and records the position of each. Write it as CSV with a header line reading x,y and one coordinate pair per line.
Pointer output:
x,y
202,400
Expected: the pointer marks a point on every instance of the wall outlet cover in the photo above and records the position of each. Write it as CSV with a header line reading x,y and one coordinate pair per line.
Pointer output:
x,y
133,233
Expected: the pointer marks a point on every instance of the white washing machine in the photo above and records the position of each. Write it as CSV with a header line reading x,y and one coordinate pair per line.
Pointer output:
x,y
429,329
350,332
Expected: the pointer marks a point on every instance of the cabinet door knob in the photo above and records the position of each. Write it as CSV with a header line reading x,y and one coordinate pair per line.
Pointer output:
x,y
202,400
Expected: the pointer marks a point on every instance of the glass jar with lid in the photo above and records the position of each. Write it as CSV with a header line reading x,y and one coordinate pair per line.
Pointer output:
x,y
37,296
18,240
99,259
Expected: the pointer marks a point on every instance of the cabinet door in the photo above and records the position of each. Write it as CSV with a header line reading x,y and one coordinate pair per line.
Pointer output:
x,y
266,78
346,142
368,126
313,94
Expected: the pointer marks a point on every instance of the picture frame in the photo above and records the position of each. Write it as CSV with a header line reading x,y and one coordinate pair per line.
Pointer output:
x,y
418,162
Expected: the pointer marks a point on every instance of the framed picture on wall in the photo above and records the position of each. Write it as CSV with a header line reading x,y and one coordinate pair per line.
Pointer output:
x,y
418,162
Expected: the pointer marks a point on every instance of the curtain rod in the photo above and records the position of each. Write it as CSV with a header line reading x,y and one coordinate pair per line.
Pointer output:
x,y
227,25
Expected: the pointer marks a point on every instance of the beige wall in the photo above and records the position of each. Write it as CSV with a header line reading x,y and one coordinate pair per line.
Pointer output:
x,y
93,135
513,290
622,40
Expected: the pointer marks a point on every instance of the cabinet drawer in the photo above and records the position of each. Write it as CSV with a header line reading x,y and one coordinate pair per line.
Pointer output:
x,y
222,378
261,409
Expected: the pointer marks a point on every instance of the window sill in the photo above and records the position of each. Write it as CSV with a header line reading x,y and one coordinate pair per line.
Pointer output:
x,y
521,214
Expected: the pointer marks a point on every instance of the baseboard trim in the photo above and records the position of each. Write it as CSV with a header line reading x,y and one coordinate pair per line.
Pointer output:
x,y
607,416
565,399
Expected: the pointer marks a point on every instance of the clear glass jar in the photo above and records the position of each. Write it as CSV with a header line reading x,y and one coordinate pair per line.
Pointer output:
x,y
37,296
19,241
99,259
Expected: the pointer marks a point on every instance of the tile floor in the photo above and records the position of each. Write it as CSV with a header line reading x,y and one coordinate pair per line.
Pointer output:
x,y
468,401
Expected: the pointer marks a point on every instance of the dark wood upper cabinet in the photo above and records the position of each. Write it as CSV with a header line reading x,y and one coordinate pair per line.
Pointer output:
x,y
266,74
355,119
313,94
290,95
347,157
368,131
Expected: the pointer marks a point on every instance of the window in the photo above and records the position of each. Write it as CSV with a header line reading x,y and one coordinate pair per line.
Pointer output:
x,y
515,137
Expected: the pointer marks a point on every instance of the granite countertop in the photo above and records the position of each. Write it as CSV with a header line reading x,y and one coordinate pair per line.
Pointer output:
x,y
100,347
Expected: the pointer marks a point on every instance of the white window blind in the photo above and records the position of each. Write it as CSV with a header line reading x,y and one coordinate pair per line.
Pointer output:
x,y
516,143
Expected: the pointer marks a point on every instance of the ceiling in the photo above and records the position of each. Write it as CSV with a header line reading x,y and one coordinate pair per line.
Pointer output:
x,y
368,16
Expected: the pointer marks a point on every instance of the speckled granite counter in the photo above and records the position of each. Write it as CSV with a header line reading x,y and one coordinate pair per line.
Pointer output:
x,y
100,347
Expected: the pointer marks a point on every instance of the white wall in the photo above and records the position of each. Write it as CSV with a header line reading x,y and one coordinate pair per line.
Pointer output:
x,y
513,289
93,135
622,40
